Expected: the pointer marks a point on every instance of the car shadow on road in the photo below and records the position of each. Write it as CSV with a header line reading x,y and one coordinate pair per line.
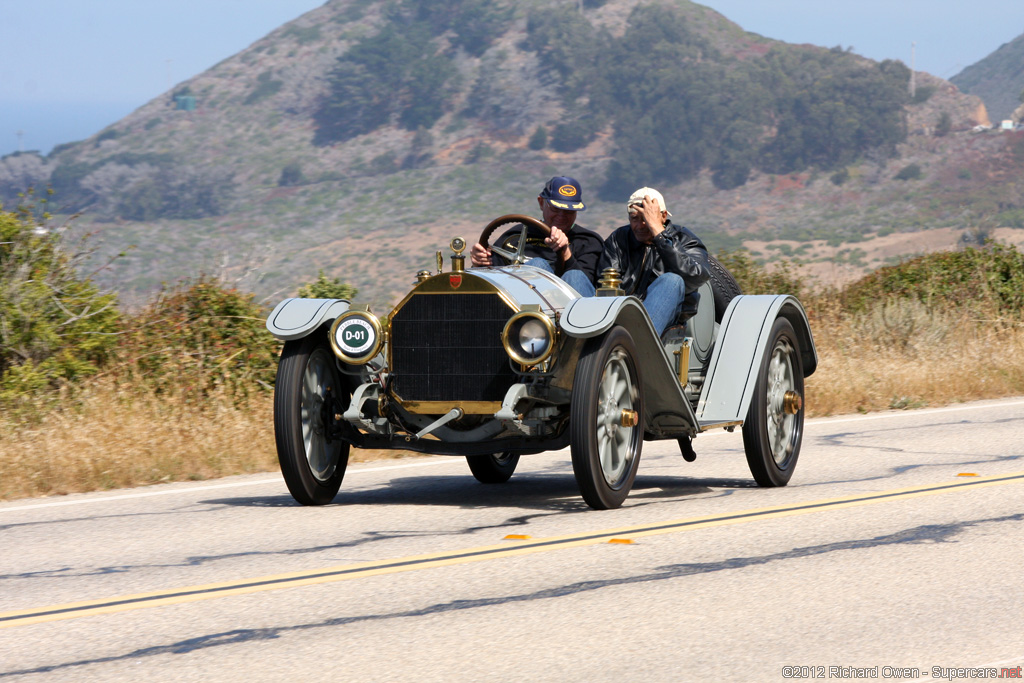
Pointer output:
x,y
654,487
529,491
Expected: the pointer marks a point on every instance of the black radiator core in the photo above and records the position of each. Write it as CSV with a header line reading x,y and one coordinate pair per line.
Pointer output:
x,y
447,347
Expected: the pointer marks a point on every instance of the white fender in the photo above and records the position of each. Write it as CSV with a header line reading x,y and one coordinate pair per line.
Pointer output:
x,y
740,347
667,411
296,318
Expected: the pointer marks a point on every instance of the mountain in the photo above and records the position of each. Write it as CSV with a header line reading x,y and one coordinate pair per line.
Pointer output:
x,y
997,79
362,136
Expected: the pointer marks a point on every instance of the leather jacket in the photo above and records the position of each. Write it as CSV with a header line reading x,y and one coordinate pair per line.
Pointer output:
x,y
676,250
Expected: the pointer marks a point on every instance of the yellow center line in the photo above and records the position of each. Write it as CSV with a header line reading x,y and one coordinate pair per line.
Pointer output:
x,y
466,555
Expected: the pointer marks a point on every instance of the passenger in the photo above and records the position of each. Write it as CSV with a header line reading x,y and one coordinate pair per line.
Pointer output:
x,y
571,250
660,262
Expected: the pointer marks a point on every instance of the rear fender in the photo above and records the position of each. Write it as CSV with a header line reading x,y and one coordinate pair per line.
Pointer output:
x,y
741,344
297,318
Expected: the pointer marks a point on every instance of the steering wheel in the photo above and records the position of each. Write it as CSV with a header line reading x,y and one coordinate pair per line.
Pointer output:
x,y
516,258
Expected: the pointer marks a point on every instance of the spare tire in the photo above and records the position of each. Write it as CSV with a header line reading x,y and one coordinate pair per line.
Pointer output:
x,y
723,286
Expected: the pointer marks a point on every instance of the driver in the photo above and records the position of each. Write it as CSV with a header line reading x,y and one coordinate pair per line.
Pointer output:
x,y
571,250
660,262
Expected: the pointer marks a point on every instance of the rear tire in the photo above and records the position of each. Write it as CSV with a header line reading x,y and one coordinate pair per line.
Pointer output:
x,y
605,454
307,394
493,469
771,433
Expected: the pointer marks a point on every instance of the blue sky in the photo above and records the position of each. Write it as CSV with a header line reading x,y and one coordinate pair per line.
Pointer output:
x,y
68,68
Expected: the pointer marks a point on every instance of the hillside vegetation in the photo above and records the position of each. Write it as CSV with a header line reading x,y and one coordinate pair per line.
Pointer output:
x,y
363,135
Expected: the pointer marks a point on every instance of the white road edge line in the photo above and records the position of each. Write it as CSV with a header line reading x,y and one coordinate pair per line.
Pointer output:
x,y
447,460
211,487
905,413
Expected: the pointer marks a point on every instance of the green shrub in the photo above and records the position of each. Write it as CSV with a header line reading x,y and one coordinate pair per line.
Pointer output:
x,y
291,175
909,172
198,338
382,164
990,279
539,139
1014,218
57,327
757,278
923,93
326,288
265,87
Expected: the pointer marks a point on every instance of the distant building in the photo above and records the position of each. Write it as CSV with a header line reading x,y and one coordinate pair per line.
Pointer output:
x,y
1007,124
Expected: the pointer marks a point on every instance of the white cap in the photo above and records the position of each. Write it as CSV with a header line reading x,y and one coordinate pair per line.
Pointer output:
x,y
637,198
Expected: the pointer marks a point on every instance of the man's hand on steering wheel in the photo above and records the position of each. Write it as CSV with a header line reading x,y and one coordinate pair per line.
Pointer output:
x,y
516,258
480,256
557,241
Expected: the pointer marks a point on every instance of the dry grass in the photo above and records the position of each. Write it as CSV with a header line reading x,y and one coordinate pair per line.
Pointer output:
x,y
900,356
904,356
113,438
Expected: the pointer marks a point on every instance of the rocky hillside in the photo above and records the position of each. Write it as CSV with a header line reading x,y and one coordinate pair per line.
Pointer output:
x,y
360,137
998,80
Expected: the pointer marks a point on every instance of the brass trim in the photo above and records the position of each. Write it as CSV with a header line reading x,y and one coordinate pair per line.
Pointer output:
x,y
374,323
549,325
610,283
792,402
442,407
683,362
441,284
630,418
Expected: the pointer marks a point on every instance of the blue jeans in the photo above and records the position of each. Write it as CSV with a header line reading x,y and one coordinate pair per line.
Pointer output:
x,y
664,300
576,279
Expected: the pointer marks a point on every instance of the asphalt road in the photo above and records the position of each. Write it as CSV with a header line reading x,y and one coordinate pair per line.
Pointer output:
x,y
895,550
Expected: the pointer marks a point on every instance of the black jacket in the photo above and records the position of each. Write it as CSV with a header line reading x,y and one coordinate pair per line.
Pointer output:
x,y
676,250
586,246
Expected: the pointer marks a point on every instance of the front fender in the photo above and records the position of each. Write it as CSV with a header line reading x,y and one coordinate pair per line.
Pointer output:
x,y
741,344
296,318
667,410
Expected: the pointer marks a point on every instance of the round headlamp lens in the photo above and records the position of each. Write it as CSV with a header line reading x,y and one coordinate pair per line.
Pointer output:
x,y
533,338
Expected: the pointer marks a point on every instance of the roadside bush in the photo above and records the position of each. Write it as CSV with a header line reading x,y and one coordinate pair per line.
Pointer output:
x,y
987,279
756,278
198,338
326,288
55,325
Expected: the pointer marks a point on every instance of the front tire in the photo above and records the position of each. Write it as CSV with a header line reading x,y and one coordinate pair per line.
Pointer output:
x,y
606,428
774,426
493,469
307,394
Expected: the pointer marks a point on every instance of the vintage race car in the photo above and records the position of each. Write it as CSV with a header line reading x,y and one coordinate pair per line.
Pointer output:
x,y
494,363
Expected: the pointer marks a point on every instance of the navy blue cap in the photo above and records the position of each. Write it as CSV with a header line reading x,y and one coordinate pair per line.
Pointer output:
x,y
564,193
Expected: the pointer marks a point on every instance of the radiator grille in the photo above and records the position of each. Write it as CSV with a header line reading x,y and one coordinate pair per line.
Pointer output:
x,y
447,347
